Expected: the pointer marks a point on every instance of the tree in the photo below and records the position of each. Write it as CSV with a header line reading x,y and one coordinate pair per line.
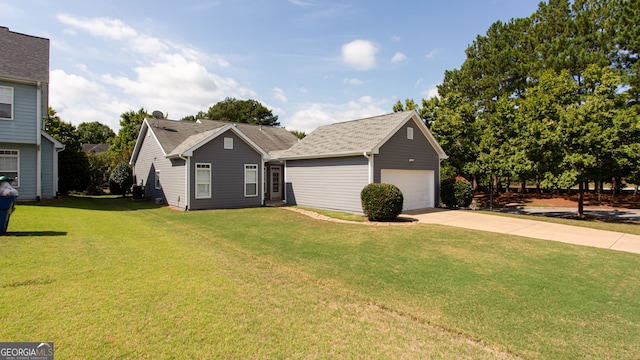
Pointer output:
x,y
98,172
123,144
121,179
95,133
299,134
234,110
73,166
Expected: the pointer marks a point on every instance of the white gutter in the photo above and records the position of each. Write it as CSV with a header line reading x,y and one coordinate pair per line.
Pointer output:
x,y
187,178
370,158
330,155
39,141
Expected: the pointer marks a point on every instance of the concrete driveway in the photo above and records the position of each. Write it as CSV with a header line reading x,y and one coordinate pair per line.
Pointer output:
x,y
529,228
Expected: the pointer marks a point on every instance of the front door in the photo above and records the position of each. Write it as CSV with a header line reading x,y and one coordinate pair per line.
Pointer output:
x,y
276,183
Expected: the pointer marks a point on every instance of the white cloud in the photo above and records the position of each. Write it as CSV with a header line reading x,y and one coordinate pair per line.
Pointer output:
x,y
163,76
352,81
431,92
279,94
177,85
302,3
361,54
433,53
78,99
398,57
100,27
418,82
312,116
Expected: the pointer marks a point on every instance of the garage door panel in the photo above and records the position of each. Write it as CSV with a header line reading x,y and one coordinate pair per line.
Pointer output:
x,y
417,186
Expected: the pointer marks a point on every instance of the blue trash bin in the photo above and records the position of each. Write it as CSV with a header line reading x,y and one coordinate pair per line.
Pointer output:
x,y
6,208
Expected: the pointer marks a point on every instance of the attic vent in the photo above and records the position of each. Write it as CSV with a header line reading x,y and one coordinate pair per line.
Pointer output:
x,y
157,114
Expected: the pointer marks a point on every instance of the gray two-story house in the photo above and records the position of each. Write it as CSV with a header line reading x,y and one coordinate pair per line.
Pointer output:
x,y
27,153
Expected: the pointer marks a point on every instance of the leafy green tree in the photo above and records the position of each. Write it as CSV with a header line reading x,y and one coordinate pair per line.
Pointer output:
x,y
95,133
299,134
234,110
123,144
98,172
121,179
73,166
409,105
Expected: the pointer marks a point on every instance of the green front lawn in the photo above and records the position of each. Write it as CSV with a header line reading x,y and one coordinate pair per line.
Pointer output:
x,y
111,278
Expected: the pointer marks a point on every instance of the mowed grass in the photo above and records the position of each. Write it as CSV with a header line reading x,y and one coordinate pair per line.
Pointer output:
x,y
111,278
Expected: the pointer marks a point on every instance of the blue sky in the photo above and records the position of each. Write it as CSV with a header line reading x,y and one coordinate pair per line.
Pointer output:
x,y
312,62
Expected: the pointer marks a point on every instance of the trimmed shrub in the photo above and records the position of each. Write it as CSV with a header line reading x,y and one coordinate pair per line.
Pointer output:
x,y
381,202
456,192
121,179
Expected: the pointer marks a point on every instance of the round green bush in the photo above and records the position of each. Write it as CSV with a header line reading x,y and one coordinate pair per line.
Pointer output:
x,y
381,202
456,192
121,179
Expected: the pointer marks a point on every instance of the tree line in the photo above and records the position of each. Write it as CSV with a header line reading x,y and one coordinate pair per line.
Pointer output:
x,y
552,99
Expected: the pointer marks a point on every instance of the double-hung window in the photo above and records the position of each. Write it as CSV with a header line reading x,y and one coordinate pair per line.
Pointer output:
x,y
203,181
6,103
10,165
250,180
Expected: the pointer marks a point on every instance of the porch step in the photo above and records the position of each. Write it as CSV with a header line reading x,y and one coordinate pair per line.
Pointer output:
x,y
274,203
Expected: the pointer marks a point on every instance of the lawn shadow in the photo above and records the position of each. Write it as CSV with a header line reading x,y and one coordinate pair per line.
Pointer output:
x,y
35,233
98,203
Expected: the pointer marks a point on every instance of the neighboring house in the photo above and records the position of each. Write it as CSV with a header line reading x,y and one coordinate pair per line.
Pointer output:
x,y
95,148
210,164
330,167
27,153
232,165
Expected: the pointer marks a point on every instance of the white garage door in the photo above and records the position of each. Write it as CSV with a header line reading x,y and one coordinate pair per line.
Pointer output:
x,y
417,186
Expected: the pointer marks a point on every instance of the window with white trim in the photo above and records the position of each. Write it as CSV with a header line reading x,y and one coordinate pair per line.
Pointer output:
x,y
10,165
157,180
228,143
250,180
203,181
6,103
410,133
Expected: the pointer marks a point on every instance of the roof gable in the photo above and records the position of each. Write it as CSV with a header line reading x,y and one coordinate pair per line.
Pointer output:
x,y
357,137
181,138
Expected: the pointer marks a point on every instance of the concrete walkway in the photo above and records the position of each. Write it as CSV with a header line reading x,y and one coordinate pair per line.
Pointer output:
x,y
530,228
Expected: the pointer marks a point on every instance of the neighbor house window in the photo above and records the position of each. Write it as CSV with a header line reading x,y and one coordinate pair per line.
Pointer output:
x,y
228,143
10,165
6,103
158,180
410,133
203,181
251,180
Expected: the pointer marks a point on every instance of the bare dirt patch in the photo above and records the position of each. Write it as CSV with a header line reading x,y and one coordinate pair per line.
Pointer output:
x,y
561,200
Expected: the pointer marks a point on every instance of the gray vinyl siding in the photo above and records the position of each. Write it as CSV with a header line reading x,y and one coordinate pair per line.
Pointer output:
x,y
227,174
172,173
22,129
397,151
332,183
46,166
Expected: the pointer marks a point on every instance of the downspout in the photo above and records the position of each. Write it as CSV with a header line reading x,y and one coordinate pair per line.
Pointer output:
x,y
187,183
370,158
263,182
39,141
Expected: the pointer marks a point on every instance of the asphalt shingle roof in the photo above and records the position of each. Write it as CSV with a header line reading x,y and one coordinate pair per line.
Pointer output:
x,y
347,137
24,57
175,137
